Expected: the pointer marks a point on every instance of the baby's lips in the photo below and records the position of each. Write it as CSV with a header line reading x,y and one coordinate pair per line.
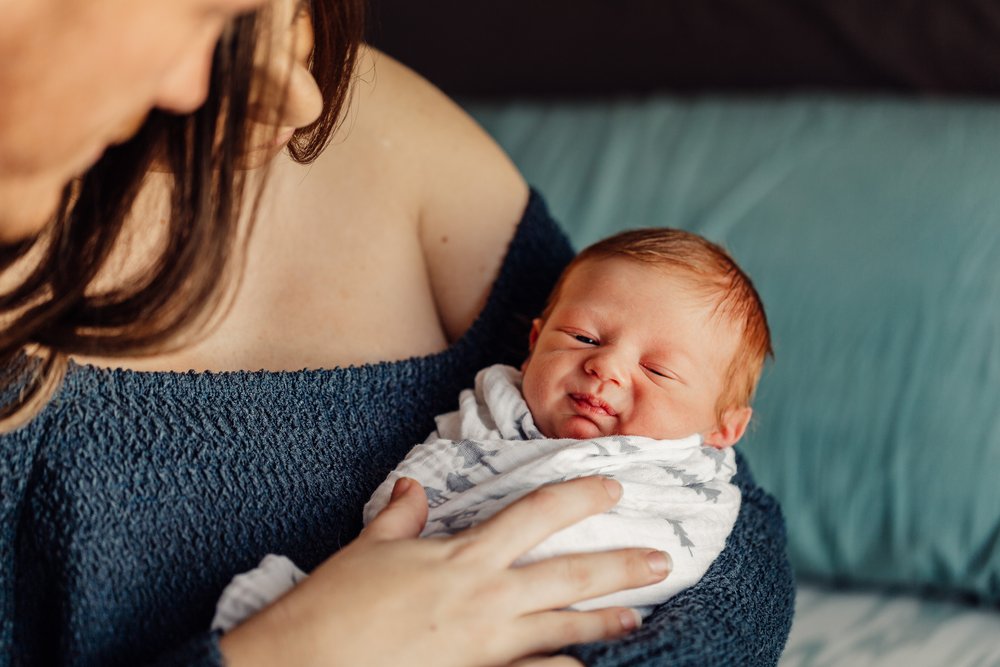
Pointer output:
x,y
595,402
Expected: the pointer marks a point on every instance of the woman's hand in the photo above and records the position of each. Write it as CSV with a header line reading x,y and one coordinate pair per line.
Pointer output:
x,y
391,599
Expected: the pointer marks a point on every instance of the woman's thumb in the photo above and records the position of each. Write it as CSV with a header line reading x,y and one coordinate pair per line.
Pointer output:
x,y
404,516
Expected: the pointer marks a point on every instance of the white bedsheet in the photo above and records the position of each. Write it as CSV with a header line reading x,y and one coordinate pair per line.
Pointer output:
x,y
861,629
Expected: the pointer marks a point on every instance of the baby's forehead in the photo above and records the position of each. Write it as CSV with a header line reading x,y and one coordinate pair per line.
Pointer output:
x,y
594,278
638,266
606,288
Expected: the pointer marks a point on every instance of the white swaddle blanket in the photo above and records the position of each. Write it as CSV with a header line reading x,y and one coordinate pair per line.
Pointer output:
x,y
677,496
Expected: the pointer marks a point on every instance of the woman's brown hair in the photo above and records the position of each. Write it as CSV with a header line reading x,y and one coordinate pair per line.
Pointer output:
x,y
56,311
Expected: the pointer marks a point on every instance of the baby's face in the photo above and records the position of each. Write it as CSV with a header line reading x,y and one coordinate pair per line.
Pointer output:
x,y
629,349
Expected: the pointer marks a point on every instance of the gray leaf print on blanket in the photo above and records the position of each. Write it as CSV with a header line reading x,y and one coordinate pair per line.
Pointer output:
x,y
474,455
458,483
686,479
458,521
435,497
717,455
601,451
624,446
681,534
707,491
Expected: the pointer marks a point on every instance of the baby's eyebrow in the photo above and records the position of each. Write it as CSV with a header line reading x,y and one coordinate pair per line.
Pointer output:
x,y
671,356
588,314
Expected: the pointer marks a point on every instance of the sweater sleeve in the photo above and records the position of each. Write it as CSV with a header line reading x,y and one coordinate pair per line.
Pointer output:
x,y
740,613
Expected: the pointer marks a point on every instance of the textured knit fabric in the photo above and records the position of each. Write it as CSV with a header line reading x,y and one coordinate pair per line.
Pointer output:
x,y
133,499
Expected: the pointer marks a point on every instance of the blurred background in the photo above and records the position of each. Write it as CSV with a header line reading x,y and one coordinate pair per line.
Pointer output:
x,y
584,47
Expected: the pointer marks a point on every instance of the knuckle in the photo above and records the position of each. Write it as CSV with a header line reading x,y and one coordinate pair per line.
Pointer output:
x,y
461,543
597,494
585,494
465,546
578,574
571,630
637,567
496,592
613,625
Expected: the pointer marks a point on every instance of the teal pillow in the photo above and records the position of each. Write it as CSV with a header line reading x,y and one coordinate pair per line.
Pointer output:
x,y
872,231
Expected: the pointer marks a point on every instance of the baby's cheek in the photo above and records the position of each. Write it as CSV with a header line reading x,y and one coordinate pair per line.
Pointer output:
x,y
534,395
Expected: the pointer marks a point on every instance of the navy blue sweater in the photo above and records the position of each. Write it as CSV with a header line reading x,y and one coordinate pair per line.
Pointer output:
x,y
130,502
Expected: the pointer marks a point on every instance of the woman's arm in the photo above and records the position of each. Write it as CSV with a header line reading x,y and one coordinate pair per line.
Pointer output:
x,y
740,613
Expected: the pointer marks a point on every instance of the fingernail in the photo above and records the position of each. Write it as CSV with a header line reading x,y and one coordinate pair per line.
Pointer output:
x,y
613,488
630,619
401,486
660,562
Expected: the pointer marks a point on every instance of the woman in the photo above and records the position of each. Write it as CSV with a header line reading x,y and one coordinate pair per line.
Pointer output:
x,y
134,496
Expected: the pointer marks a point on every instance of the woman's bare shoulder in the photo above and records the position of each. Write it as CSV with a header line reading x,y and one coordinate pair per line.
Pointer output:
x,y
393,111
468,195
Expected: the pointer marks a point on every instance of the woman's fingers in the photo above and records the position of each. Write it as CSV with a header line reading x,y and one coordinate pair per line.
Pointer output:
x,y
517,528
548,661
550,631
559,582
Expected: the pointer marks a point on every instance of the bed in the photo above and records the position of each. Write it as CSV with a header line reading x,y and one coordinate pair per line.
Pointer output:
x,y
877,629
849,157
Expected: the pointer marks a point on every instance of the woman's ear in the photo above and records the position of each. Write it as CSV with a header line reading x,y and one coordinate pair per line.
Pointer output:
x,y
536,329
730,429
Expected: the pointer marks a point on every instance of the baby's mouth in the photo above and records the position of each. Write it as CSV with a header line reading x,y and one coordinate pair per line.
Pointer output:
x,y
592,405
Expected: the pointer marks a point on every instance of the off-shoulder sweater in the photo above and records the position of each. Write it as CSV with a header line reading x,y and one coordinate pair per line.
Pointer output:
x,y
132,499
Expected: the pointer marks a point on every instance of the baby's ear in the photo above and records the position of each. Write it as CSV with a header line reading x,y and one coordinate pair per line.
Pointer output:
x,y
730,429
536,329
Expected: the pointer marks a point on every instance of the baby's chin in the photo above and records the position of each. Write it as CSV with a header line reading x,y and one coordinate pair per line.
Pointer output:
x,y
576,428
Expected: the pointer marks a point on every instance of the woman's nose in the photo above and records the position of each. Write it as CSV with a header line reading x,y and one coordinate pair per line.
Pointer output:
x,y
286,82
302,103
185,86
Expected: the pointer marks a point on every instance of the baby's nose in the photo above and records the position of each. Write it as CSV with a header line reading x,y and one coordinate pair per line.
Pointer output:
x,y
606,368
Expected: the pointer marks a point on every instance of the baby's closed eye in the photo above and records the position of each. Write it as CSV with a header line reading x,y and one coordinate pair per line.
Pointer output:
x,y
660,372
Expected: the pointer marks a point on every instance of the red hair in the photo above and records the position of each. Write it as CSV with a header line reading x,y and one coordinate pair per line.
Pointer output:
x,y
712,271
